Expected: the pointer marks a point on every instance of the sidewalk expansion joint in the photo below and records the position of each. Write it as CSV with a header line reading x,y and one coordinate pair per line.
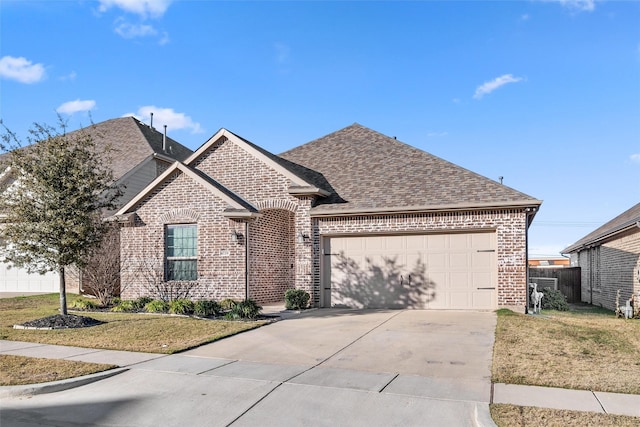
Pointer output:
x,y
599,402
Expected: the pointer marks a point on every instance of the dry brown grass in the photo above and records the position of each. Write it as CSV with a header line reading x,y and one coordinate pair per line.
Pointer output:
x,y
524,416
585,349
19,370
130,332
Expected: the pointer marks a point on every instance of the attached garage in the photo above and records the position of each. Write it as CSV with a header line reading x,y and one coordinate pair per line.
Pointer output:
x,y
435,271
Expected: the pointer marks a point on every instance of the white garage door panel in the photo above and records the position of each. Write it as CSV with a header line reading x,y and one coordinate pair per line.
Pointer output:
x,y
19,280
444,271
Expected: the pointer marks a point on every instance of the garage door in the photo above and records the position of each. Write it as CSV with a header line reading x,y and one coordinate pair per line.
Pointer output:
x,y
19,280
439,271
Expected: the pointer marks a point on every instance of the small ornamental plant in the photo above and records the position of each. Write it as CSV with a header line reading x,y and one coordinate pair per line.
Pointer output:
x,y
296,299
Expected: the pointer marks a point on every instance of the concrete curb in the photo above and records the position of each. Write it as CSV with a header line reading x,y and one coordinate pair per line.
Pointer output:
x,y
55,386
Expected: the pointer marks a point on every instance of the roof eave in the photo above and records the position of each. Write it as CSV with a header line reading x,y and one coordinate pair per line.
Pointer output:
x,y
308,191
319,212
603,237
240,214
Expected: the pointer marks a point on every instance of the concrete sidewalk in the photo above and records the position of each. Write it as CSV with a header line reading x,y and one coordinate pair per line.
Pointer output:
x,y
545,397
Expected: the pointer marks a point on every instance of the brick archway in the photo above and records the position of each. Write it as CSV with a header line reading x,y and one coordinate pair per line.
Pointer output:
x,y
271,255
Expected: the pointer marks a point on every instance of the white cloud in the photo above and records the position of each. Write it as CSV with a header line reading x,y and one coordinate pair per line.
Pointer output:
x,y
76,106
130,31
488,87
144,8
166,116
579,5
635,158
21,70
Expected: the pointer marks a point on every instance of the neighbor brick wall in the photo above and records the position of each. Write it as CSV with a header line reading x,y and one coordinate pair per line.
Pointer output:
x,y
510,227
614,266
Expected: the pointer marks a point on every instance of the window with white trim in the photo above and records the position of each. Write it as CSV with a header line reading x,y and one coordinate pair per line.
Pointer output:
x,y
181,249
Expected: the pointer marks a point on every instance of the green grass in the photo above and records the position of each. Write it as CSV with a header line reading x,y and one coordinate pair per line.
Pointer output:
x,y
121,331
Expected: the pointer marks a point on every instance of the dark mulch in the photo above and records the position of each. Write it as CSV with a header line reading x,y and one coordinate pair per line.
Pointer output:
x,y
60,321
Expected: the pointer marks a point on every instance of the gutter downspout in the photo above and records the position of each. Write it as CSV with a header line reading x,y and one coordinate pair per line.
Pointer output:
x,y
530,213
246,260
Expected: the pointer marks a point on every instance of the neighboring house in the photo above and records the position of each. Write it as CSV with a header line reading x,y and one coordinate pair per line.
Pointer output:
x,y
609,259
354,218
139,154
549,262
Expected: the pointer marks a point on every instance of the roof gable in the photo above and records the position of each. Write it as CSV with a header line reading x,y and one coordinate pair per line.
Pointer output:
x,y
300,177
375,173
238,206
627,219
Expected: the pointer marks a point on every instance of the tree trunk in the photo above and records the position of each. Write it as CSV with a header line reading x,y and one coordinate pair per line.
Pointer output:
x,y
63,292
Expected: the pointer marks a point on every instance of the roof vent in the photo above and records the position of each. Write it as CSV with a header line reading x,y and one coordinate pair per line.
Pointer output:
x,y
151,124
164,140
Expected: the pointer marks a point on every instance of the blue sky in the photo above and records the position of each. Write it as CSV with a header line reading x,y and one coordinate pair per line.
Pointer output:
x,y
545,94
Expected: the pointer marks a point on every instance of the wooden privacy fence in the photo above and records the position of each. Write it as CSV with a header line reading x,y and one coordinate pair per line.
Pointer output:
x,y
568,280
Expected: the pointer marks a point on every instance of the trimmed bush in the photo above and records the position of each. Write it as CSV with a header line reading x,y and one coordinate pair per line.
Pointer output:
x,y
141,303
206,308
247,309
157,306
554,300
296,299
228,303
124,306
84,304
181,306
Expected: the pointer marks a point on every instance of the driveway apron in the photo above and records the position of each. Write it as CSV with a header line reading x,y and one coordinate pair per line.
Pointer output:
x,y
323,368
437,354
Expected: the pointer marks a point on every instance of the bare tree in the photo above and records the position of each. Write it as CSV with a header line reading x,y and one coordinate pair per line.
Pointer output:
x,y
101,275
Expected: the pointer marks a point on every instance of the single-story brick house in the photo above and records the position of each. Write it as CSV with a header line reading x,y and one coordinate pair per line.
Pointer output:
x,y
356,218
609,260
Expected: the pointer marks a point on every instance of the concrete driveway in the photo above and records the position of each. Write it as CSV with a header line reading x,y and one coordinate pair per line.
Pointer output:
x,y
325,367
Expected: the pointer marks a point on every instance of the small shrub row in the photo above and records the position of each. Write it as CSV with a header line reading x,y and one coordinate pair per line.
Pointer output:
x,y
243,310
247,309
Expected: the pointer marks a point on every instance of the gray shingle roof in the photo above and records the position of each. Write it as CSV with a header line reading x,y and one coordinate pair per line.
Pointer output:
x,y
371,172
627,219
132,142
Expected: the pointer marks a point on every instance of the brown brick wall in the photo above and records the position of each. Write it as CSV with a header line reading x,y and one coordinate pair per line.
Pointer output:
x,y
180,200
611,266
271,255
510,230
221,265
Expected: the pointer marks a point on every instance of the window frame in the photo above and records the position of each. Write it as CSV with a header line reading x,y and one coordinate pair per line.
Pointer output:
x,y
170,249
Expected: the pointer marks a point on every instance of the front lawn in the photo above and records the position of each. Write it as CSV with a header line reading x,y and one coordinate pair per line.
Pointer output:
x,y
587,349
511,415
121,331
20,370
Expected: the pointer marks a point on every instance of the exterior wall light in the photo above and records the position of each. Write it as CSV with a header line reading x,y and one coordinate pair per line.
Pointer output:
x,y
235,236
302,238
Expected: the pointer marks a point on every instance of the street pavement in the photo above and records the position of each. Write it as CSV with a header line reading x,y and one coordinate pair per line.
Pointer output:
x,y
327,367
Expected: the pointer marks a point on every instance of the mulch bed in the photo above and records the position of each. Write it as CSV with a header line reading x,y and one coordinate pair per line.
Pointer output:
x,y
59,321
